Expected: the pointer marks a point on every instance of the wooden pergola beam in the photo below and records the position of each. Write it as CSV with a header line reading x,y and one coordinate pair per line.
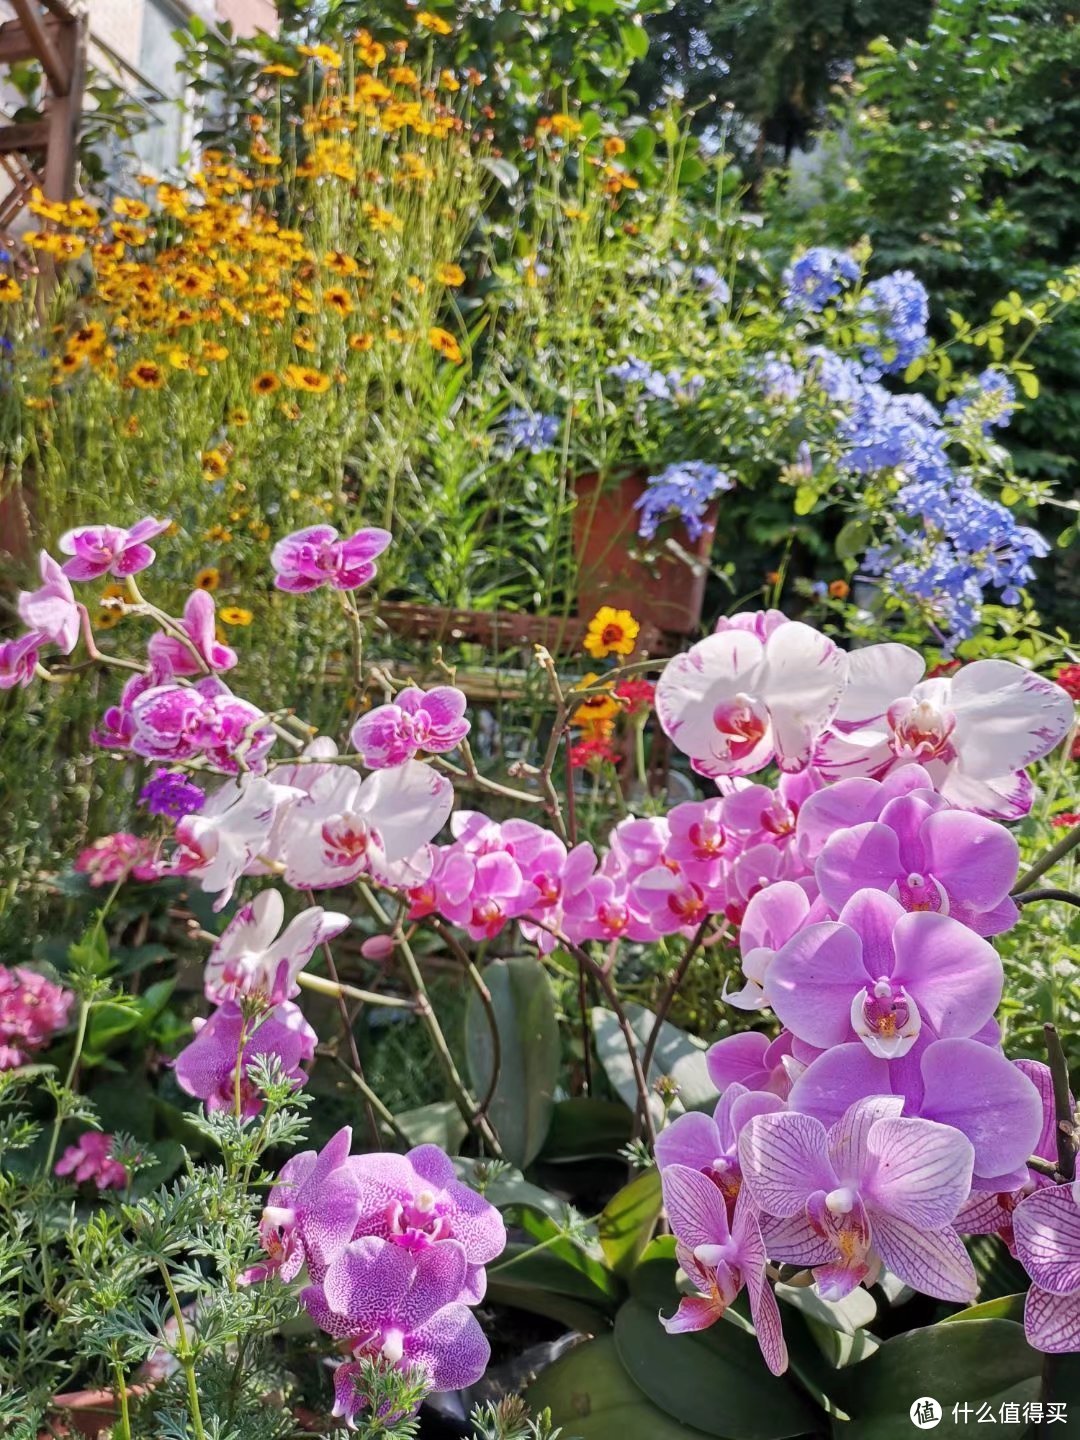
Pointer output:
x,y
15,44
57,68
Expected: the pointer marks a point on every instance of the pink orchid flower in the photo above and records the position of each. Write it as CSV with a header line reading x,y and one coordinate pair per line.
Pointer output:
x,y
203,651
720,1257
874,1188
973,732
734,702
431,720
109,550
19,658
310,558
251,958
1047,1230
207,1067
51,610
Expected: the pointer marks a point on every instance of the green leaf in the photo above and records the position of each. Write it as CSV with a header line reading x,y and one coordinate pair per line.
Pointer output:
x,y
437,1124
714,1380
965,1362
1029,383
806,497
853,539
592,1397
528,1027
627,1221
586,1130
677,1056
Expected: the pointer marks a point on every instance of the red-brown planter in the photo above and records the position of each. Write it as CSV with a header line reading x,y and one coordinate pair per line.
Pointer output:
x,y
667,592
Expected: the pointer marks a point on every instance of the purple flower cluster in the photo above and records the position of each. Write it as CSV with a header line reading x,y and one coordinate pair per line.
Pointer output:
x,y
529,430
816,278
991,401
395,1248
172,794
672,385
684,492
32,1010
899,308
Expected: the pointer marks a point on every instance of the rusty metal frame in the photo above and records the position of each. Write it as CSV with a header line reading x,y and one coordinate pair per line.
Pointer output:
x,y
41,154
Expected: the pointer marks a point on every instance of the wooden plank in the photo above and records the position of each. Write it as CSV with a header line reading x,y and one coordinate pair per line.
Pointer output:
x,y
57,67
15,44
65,114
504,629
24,137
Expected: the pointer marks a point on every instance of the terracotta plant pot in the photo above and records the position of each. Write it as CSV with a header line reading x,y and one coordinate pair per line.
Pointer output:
x,y
668,592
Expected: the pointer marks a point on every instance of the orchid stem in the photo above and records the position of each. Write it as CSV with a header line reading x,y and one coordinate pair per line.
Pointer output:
x,y
1046,861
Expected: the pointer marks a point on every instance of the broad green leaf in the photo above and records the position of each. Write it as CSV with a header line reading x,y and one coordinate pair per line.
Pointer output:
x,y
437,1124
853,539
677,1055
1005,1307
528,1026
586,1130
963,1362
714,1380
627,1222
591,1396
806,497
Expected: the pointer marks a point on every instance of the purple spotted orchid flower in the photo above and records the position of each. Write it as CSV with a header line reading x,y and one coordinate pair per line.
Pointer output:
x,y
1047,1230
200,651
310,1213
52,609
251,958
432,720
179,722
719,1256
875,1188
309,559
207,1067
886,976
403,1305
98,550
415,1200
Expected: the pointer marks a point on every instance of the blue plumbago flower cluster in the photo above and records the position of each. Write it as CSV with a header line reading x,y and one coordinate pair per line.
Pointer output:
x,y
818,277
991,400
779,379
673,385
682,491
712,284
899,305
171,793
529,430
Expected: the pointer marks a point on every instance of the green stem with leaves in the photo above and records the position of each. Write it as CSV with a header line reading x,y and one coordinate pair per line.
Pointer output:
x,y
184,1355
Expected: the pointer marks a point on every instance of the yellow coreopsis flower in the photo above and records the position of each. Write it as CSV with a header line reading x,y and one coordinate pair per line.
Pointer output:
x,y
323,54
147,375
435,23
611,632
131,209
286,72
443,342
208,578
339,300
214,464
266,383
302,377
235,615
450,274
10,290
597,708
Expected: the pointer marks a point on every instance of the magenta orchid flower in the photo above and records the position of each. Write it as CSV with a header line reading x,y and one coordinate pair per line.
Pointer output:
x,y
964,1084
753,1060
51,610
109,550
733,702
202,651
308,559
404,1306
178,722
846,803
719,1257
431,720
874,1188
19,658
251,958
207,1067
884,975
416,1200
698,842
1047,1230
974,732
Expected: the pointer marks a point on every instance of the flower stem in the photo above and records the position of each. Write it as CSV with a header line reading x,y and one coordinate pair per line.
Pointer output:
x,y
1047,860
183,1354
69,1081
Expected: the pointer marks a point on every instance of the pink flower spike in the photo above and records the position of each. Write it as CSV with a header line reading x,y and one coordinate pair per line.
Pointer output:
x,y
109,550
51,610
203,652
18,659
308,559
